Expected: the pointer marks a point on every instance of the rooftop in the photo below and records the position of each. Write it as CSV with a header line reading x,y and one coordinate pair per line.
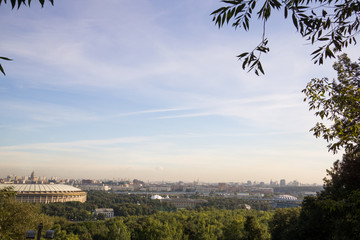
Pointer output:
x,y
41,187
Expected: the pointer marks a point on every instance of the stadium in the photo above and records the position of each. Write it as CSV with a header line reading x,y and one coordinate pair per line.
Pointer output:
x,y
46,193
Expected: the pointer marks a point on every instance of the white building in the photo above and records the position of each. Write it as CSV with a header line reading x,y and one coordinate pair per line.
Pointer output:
x,y
89,187
108,212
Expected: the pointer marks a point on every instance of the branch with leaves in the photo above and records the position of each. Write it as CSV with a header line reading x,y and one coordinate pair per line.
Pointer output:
x,y
1,68
18,4
334,24
337,102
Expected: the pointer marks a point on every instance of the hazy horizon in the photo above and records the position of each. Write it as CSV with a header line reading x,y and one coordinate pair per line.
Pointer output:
x,y
49,177
154,91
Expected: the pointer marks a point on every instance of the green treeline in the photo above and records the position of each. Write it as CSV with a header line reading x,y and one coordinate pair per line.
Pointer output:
x,y
322,217
133,204
158,222
185,224
123,205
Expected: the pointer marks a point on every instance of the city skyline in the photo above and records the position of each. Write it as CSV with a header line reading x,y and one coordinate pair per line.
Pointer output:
x,y
153,90
34,178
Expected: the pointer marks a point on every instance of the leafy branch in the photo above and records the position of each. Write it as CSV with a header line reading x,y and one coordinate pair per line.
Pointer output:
x,y
337,102
1,68
334,24
18,3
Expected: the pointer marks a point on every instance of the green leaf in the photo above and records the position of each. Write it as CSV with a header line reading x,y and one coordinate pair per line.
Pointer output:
x,y
5,58
261,68
253,4
2,70
13,3
295,22
242,55
329,53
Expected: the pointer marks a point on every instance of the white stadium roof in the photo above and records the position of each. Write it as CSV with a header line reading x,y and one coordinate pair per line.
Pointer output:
x,y
286,197
41,187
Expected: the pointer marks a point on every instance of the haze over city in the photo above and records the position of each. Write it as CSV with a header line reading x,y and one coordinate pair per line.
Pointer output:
x,y
153,90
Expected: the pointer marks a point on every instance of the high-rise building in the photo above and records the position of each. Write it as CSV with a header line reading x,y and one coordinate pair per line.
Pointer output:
x,y
33,176
222,187
282,183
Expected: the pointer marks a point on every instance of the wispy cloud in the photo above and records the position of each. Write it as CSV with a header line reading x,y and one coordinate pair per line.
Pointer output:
x,y
150,111
45,112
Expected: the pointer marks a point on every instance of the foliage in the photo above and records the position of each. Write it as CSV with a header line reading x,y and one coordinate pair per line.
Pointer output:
x,y
234,229
252,229
344,178
1,68
123,205
187,224
16,218
232,204
333,24
70,210
338,101
334,212
283,225
325,218
18,4
118,230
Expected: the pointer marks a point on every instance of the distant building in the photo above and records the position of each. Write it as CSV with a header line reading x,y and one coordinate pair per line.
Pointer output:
x,y
242,195
108,212
286,198
274,183
33,177
222,187
89,187
282,183
285,201
46,193
158,197
294,183
87,181
205,189
266,190
184,202
247,207
159,189
125,187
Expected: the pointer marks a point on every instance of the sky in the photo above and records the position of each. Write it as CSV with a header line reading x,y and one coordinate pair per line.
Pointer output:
x,y
153,90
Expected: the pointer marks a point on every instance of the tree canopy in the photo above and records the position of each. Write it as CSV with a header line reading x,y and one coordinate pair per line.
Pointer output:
x,y
337,102
334,212
16,218
333,24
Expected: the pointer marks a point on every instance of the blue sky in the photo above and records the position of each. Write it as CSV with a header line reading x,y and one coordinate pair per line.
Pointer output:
x,y
153,90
